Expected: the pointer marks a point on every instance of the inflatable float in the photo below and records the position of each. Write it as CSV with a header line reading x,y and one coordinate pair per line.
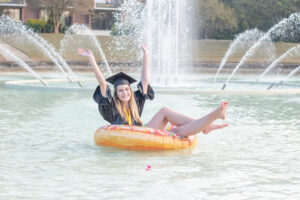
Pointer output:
x,y
141,138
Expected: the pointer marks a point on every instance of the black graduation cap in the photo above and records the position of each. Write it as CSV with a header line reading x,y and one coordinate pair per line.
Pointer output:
x,y
120,79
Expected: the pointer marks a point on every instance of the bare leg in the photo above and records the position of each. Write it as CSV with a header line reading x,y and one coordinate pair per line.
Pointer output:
x,y
165,115
200,124
212,127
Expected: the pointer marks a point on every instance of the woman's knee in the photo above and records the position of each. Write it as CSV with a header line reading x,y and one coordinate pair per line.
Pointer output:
x,y
164,110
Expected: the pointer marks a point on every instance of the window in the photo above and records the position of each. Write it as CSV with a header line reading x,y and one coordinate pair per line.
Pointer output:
x,y
14,13
102,20
12,3
108,4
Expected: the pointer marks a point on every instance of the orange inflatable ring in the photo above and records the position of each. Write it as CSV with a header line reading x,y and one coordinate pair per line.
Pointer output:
x,y
141,138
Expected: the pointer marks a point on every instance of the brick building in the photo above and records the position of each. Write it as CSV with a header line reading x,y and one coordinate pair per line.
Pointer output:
x,y
13,8
98,17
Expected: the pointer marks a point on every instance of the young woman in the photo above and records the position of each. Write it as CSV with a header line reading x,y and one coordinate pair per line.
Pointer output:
x,y
126,106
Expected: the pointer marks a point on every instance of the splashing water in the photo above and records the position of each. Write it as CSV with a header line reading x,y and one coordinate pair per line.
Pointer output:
x,y
58,58
128,27
246,38
277,30
291,51
79,29
8,54
11,27
166,34
285,78
291,73
161,24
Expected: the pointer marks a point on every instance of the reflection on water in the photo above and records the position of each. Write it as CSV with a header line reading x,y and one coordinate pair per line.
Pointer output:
x,y
47,150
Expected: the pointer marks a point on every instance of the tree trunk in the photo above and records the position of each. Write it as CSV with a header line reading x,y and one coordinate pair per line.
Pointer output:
x,y
56,28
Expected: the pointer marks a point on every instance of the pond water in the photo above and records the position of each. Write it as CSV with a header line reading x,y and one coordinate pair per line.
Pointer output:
x,y
47,149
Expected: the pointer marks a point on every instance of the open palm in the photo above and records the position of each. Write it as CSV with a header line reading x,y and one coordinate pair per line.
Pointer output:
x,y
84,52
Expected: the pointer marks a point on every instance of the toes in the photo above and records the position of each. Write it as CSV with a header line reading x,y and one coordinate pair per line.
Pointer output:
x,y
224,125
224,104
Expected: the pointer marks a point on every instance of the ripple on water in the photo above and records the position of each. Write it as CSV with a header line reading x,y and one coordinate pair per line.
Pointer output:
x,y
47,151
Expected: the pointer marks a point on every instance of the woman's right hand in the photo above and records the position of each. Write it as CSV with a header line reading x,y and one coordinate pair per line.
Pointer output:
x,y
88,53
85,52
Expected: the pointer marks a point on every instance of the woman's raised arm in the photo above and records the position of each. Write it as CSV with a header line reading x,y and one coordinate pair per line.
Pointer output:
x,y
98,73
145,69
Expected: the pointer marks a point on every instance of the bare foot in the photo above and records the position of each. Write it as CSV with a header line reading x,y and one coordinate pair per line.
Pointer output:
x,y
212,127
223,107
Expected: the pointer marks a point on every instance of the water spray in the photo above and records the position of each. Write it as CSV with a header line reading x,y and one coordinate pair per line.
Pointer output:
x,y
248,36
273,64
285,78
280,26
10,55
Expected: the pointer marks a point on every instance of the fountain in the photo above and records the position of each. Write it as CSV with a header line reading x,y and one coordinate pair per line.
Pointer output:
x,y
166,37
8,25
285,78
47,148
78,29
276,29
244,39
6,53
290,52
162,26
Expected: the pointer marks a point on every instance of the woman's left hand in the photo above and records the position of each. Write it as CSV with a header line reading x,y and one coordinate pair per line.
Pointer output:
x,y
145,49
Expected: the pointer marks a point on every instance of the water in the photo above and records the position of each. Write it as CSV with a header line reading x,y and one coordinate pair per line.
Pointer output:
x,y
243,39
47,149
194,82
292,51
165,30
292,73
163,26
9,27
277,31
70,40
7,53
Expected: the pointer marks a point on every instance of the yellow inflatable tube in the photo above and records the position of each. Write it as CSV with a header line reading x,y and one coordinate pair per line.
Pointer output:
x,y
141,138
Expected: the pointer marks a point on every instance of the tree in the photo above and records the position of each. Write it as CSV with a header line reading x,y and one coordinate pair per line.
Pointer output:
x,y
56,8
261,14
214,19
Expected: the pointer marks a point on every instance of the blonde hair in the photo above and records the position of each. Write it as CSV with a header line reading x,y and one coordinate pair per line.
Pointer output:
x,y
132,106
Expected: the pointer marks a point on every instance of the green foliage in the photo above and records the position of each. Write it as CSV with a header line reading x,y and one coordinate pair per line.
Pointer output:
x,y
36,25
49,28
289,31
63,29
263,14
222,19
118,30
115,31
215,20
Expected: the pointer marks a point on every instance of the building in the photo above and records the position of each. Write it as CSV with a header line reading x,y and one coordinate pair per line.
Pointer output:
x,y
100,15
13,8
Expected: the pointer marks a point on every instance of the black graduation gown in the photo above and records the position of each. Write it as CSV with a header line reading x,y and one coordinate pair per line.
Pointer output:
x,y
108,110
